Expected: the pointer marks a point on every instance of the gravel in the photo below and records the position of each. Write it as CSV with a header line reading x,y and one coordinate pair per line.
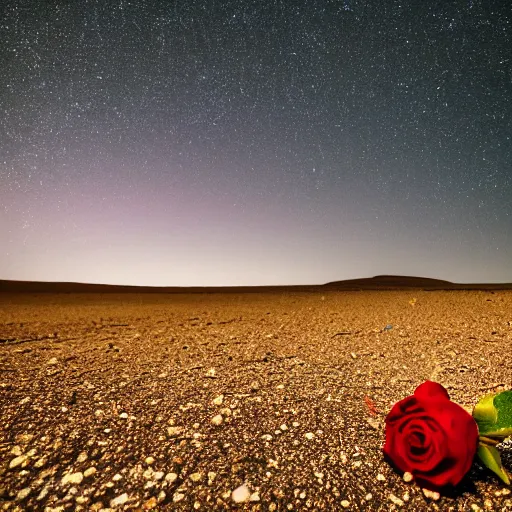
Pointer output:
x,y
246,402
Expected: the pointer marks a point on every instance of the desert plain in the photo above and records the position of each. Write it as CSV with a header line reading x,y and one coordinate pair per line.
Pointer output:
x,y
236,401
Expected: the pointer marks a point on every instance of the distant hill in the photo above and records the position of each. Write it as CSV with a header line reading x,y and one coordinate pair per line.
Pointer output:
x,y
384,282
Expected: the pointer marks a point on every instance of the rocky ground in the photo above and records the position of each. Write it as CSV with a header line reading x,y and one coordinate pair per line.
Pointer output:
x,y
263,402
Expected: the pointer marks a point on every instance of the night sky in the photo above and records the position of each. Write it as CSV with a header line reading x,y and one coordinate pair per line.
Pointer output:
x,y
251,143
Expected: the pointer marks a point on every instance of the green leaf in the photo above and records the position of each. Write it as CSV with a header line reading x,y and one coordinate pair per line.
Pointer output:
x,y
490,457
493,415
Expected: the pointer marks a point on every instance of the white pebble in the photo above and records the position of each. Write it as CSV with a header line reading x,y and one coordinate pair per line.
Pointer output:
x,y
309,435
120,500
241,494
218,400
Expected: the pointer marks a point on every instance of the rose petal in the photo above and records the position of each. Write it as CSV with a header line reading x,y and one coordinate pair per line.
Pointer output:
x,y
429,391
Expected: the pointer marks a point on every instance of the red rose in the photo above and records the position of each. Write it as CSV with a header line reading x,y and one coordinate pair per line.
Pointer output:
x,y
431,437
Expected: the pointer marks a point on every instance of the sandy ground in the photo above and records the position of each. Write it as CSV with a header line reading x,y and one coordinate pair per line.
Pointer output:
x,y
171,402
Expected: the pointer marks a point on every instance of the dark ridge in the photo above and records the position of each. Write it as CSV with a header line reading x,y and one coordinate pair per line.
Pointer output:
x,y
384,282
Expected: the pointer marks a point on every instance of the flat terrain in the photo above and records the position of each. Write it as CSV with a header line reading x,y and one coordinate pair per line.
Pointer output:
x,y
171,402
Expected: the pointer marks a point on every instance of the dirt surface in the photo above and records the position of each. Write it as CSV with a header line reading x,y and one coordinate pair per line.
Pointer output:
x,y
171,402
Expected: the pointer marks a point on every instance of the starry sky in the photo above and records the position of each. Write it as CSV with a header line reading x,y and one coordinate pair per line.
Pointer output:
x,y
211,143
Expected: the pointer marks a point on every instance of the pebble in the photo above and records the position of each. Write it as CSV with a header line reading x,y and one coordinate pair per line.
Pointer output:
x,y
266,437
195,477
381,477
149,460
431,494
210,373
158,475
217,420
218,400
177,496
241,494
16,450
397,501
345,503
123,415
117,477
120,500
309,435
82,457
52,362
171,477
150,504
254,497
72,478
23,494
17,461
174,431
369,497
90,471
408,477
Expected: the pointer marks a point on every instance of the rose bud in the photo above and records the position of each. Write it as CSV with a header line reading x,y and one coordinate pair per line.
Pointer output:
x,y
431,437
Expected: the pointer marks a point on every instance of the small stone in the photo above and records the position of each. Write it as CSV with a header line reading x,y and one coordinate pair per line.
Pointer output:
x,y
431,494
345,503
177,496
309,435
16,451
82,457
241,494
217,420
283,427
174,431
266,437
195,477
210,373
150,504
149,460
23,494
161,496
218,400
52,362
381,477
90,471
369,497
117,477
72,478
254,497
197,505
408,477
120,500
123,415
17,461
397,501
158,475
406,496
211,477
171,477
